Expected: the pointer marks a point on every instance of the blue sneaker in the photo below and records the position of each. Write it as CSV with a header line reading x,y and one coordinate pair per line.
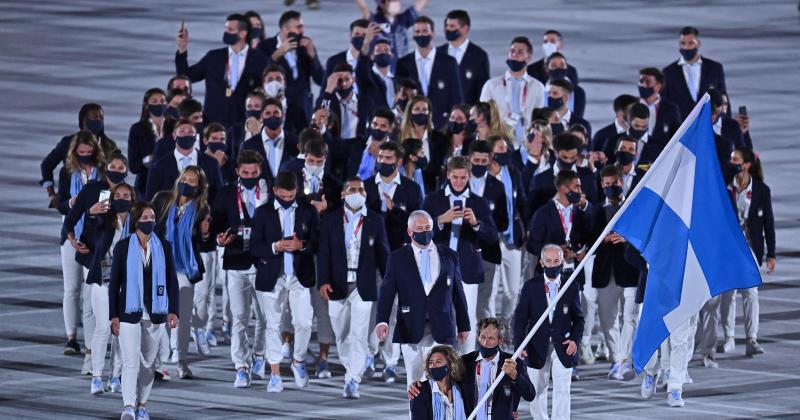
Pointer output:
x,y
97,385
614,373
242,379
369,367
211,338
648,386
142,414
323,370
351,390
128,414
258,372
389,374
674,398
275,384
300,374
115,385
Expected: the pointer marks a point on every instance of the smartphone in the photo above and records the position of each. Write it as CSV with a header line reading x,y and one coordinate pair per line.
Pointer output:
x,y
458,204
288,238
180,32
104,195
743,110
385,27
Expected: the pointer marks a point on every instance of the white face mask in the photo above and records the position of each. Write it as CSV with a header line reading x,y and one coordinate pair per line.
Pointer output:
x,y
548,48
314,170
355,200
274,89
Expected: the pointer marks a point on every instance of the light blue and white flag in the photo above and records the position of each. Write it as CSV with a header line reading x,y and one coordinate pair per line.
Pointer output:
x,y
681,219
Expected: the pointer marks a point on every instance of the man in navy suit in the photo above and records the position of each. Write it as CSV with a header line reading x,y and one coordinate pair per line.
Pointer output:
x,y
431,307
189,109
665,117
342,100
165,171
557,69
230,73
437,74
363,153
374,76
318,187
285,239
358,30
621,105
464,223
297,54
559,93
689,77
473,62
273,143
553,349
543,188
553,42
625,156
352,249
647,147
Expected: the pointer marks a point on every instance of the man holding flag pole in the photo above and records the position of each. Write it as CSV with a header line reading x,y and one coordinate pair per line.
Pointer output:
x,y
681,220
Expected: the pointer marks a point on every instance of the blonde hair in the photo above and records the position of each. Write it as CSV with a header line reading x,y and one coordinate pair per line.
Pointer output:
x,y
406,128
200,199
547,136
87,138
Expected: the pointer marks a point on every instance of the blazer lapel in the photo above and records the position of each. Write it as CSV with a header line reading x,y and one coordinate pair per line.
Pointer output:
x,y
415,277
367,238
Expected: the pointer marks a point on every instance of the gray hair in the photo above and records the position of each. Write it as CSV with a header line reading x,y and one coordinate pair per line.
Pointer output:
x,y
548,247
417,214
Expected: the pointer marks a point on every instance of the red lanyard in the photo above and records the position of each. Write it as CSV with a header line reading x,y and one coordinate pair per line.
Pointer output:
x,y
358,226
239,200
524,94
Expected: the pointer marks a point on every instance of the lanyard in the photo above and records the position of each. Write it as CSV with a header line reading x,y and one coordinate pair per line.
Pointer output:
x,y
567,229
523,97
358,226
478,384
239,201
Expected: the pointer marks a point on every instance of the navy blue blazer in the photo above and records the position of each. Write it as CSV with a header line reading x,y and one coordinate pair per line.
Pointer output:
x,y
331,186
543,187
567,322
474,71
545,228
676,90
267,229
332,255
601,137
444,87
164,172
668,120
495,196
89,196
650,152
224,217
370,86
299,99
217,106
521,213
730,137
363,109
528,170
118,285
760,220
257,143
610,258
505,398
433,176
445,308
105,231
469,248
421,406
141,143
538,71
406,199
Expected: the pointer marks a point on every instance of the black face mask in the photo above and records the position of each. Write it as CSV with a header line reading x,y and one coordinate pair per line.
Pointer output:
x,y
456,127
453,189
471,126
555,103
419,119
422,163
291,36
637,134
121,205
451,35
255,33
344,92
85,160
573,197
95,126
386,169
198,127
249,183
736,168
552,272
515,65
146,227
185,142
283,203
216,146
378,134
646,92
624,158
357,42
229,38
253,113
423,238
487,352
479,170
556,128
557,74
688,55
157,110
439,373
422,40
563,164
613,192
502,158
273,123
172,112
383,59
186,190
116,177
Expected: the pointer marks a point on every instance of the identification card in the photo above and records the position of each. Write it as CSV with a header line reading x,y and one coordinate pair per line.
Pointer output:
x,y
105,269
244,233
512,119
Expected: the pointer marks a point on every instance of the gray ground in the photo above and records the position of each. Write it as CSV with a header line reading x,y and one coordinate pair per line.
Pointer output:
x,y
58,55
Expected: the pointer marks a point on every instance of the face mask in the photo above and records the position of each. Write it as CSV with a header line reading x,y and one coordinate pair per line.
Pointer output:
x,y
146,227
555,103
95,126
487,352
438,373
186,190
558,74
688,55
121,206
552,272
274,89
624,158
548,48
386,169
383,60
479,171
423,238
451,35
249,183
355,201
229,38
402,103
255,33
157,110
357,42
515,65
456,127
573,197
422,40
198,127
377,134
291,36
116,177
216,147
612,192
185,142
556,128
563,164
637,134
344,92
502,158
283,203
393,8
419,119
736,168
422,163
314,170
646,92
85,160
172,112
252,114
273,123
471,126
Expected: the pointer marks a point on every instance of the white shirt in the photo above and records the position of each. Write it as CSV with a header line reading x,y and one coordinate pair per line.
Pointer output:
x,y
282,215
627,179
307,181
691,73
433,261
424,67
566,215
743,199
619,127
391,185
185,160
557,168
354,250
492,374
156,129
278,150
426,145
451,195
640,145
718,126
653,111
388,81
499,90
457,52
240,57
145,256
478,185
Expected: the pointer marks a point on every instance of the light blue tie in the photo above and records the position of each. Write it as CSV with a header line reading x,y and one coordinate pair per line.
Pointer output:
x,y
423,76
346,121
552,292
234,70
314,184
185,161
288,258
509,190
271,157
387,81
251,202
384,190
519,131
350,230
367,167
425,266
486,379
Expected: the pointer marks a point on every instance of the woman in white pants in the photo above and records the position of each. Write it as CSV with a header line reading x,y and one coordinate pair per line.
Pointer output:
x,y
184,220
142,296
111,228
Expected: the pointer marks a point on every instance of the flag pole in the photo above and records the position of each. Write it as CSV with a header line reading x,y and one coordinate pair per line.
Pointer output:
x,y
675,139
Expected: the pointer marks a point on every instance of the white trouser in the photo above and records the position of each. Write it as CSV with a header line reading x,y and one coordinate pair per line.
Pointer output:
x,y
608,307
471,293
77,297
222,279
390,351
659,360
294,295
204,291
102,332
241,293
681,348
325,333
750,308
350,320
162,339
138,345
562,378
414,356
486,306
509,275
707,321
181,334
588,302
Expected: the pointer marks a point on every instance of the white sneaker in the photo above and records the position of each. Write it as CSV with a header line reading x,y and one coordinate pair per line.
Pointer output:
x,y
275,384
286,351
86,369
128,414
202,342
183,370
709,362
97,385
614,373
648,386
212,338
587,355
300,374
602,351
115,385
675,399
627,372
242,379
729,346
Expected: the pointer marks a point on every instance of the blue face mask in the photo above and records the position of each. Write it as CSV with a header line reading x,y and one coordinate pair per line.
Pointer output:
x,y
438,373
253,113
555,103
186,190
422,40
552,272
185,142
95,126
573,197
116,177
357,42
383,60
613,192
423,238
157,110
452,35
479,171
249,183
558,74
688,55
487,352
419,119
255,33
284,203
456,127
273,123
229,38
515,65
646,92
216,147
377,134
146,227
502,158
624,158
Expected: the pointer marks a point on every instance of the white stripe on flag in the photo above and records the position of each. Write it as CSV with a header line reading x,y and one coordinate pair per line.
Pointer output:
x,y
694,292
676,186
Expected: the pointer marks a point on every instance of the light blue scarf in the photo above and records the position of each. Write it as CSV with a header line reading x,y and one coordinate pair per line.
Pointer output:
x,y
134,287
180,238
75,186
367,167
508,186
440,409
